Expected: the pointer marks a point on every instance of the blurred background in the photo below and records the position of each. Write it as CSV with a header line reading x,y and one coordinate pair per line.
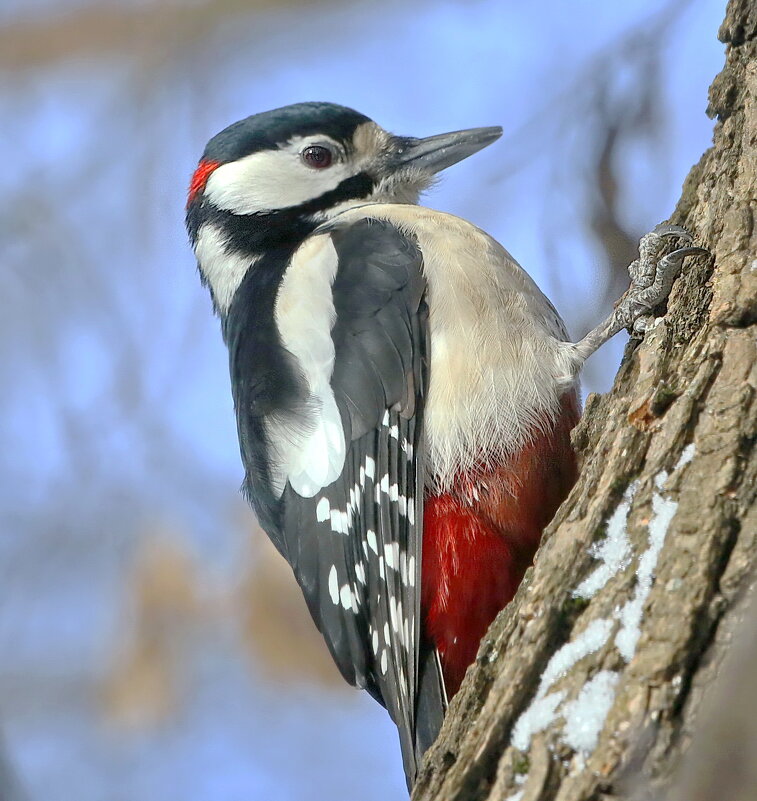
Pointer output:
x,y
152,647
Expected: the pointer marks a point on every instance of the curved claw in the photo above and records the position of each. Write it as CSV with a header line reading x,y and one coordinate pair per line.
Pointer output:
x,y
682,253
670,229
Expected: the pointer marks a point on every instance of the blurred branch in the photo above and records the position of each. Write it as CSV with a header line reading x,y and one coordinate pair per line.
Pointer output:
x,y
618,122
575,98
165,609
98,30
10,790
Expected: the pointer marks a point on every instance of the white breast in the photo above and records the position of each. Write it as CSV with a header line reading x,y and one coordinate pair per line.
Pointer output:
x,y
499,363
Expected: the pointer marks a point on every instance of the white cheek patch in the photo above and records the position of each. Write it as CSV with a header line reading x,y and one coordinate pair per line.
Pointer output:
x,y
223,271
314,457
273,179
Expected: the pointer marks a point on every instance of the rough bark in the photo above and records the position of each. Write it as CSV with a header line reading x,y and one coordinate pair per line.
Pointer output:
x,y
672,444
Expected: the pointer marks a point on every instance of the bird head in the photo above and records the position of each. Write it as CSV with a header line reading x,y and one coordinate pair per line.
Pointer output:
x,y
267,181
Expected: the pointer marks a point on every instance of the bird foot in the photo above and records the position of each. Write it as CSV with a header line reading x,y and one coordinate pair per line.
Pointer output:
x,y
651,280
652,277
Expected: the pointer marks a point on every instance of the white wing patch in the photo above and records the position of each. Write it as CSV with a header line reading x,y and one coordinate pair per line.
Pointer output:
x,y
312,457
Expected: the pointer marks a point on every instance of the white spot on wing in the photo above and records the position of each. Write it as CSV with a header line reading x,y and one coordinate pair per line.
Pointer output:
x,y
322,511
392,555
333,585
403,568
336,522
393,614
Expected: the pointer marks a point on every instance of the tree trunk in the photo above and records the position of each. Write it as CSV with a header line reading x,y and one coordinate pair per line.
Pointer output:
x,y
588,685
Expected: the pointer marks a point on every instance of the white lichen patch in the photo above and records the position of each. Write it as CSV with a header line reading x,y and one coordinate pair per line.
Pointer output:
x,y
614,551
585,715
539,715
594,636
687,454
630,615
543,709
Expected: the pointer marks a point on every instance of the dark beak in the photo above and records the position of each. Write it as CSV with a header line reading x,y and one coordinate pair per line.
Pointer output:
x,y
436,153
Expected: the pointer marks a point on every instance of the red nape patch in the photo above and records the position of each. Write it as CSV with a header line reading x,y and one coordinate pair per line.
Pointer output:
x,y
479,538
200,178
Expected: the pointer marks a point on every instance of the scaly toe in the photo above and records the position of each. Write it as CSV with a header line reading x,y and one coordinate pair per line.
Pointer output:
x,y
641,324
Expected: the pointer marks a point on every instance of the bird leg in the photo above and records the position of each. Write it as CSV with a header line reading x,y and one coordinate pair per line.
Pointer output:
x,y
651,280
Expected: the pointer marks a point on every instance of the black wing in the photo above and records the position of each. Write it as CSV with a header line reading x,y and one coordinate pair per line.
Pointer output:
x,y
355,546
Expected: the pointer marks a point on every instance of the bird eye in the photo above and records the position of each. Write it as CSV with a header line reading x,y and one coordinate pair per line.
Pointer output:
x,y
317,156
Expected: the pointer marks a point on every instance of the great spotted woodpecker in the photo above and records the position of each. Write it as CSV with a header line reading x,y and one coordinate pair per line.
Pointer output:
x,y
404,393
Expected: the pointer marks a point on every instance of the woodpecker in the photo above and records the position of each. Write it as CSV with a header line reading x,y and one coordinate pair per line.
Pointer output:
x,y
404,392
